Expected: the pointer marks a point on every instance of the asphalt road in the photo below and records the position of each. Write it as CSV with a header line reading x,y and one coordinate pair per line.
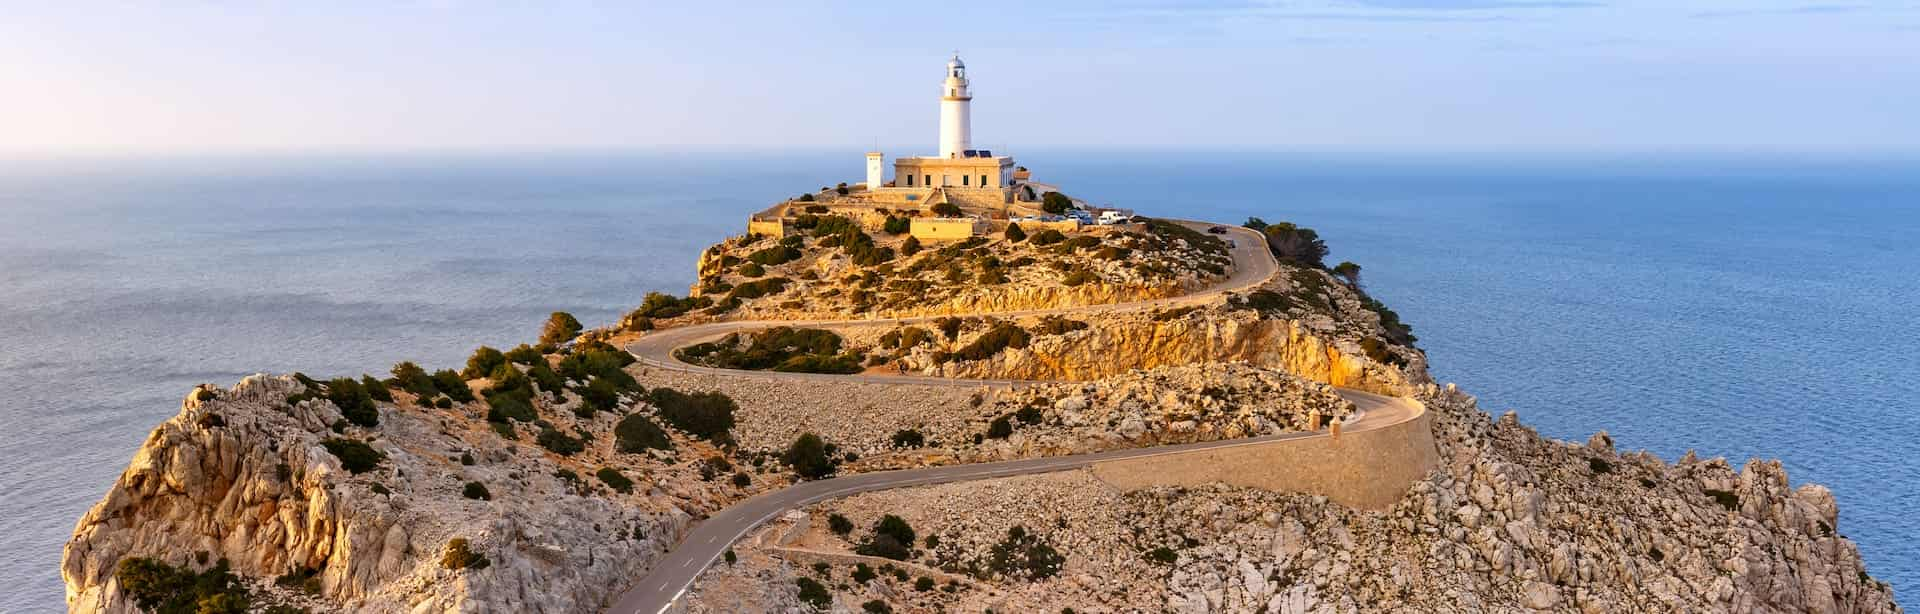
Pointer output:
x,y
669,579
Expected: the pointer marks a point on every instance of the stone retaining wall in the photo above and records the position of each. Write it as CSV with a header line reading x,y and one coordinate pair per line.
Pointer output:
x,y
1367,470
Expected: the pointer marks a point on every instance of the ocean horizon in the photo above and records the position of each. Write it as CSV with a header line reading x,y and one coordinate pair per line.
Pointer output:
x,y
1746,306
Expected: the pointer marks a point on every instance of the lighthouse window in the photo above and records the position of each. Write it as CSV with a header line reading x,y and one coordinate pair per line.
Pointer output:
x,y
950,92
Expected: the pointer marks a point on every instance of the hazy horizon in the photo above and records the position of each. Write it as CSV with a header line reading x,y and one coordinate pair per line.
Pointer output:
x,y
1433,76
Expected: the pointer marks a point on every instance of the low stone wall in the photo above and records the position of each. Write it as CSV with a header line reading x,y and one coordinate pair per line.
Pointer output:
x,y
1366,470
772,228
944,229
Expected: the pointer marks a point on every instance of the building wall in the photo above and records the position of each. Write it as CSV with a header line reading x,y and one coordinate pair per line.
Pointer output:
x,y
998,172
943,229
1368,470
772,228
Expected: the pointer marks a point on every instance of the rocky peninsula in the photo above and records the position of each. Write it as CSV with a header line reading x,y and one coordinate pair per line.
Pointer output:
x,y
559,475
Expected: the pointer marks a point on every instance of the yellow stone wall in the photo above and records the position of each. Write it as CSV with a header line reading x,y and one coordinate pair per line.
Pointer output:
x,y
772,228
944,229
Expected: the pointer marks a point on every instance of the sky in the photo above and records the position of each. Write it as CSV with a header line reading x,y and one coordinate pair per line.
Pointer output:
x,y
1367,75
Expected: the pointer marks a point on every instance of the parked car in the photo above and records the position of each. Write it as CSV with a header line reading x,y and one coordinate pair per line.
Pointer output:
x,y
1219,230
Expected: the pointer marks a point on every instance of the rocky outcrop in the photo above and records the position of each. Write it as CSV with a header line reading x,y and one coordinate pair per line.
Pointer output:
x,y
241,475
1119,342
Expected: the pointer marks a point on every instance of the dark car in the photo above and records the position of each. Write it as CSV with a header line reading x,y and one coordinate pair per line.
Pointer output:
x,y
1219,230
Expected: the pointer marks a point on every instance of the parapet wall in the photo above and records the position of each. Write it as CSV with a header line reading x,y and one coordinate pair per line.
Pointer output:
x,y
1368,470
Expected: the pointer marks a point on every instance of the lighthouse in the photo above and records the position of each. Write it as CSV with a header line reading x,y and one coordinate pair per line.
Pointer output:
x,y
956,115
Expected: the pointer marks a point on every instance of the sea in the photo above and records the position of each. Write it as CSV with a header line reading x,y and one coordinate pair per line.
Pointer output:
x,y
1748,306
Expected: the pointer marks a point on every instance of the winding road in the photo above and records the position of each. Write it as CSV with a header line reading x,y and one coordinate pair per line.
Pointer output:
x,y
671,576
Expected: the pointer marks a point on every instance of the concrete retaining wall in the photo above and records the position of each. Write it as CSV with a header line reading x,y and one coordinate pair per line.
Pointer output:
x,y
1367,470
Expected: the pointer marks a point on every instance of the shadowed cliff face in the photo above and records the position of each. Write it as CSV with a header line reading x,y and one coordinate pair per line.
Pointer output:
x,y
242,476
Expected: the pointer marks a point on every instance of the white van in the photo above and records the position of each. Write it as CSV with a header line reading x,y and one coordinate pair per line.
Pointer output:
x,y
1113,216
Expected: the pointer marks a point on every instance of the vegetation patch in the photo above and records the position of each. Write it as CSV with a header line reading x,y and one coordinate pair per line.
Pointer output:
x,y
796,350
636,433
1002,336
460,555
614,479
707,415
1025,555
355,455
160,588
808,457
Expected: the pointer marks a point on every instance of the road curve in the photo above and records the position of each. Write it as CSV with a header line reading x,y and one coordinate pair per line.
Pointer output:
x,y
671,576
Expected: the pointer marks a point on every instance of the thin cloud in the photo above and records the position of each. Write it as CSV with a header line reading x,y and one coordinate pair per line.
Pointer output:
x,y
1473,5
1811,9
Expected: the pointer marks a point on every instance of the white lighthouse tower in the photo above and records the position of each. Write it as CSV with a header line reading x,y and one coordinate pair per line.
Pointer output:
x,y
956,116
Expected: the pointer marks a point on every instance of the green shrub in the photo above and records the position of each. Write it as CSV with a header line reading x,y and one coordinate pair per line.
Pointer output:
x,y
1163,555
808,457
355,455
659,305
1112,252
460,555
1300,246
707,415
1024,554
1082,242
876,606
813,593
910,246
897,225
758,288
561,327
559,443
947,209
908,438
1055,203
1078,277
635,434
524,354
773,256
1014,234
483,362
449,383
160,588
752,270
1047,236
355,404
514,403
742,480
1599,466
1002,336
375,388
839,524
949,326
476,490
1031,414
411,378
923,584
614,479
1000,428
600,395
862,573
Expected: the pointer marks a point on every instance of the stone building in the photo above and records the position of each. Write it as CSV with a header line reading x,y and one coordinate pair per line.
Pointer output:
x,y
958,166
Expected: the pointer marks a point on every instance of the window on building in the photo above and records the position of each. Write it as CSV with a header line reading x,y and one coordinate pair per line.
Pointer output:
x,y
983,181
946,180
964,180
909,180
927,180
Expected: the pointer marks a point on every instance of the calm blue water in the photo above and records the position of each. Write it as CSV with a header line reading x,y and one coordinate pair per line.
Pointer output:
x,y
1745,307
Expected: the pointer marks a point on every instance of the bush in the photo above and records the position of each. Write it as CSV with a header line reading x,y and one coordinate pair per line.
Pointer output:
x,y
910,246
923,584
355,455
524,354
839,524
460,555
947,209
411,378
449,383
1055,203
876,606
897,225
160,588
1112,252
758,288
730,557
659,305
1163,555
635,434
1031,414
1077,277
742,480
1047,236
476,490
355,404
808,457
862,573
483,362
813,594
707,415
1024,554
559,443
600,394
895,527
1290,243
776,255
1014,234
375,388
1002,336
1000,428
752,270
614,479
561,327
908,438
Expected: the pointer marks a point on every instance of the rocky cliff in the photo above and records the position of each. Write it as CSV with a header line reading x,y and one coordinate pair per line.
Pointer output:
x,y
243,476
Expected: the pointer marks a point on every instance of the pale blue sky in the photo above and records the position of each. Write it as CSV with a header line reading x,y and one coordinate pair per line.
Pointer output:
x,y
1418,75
